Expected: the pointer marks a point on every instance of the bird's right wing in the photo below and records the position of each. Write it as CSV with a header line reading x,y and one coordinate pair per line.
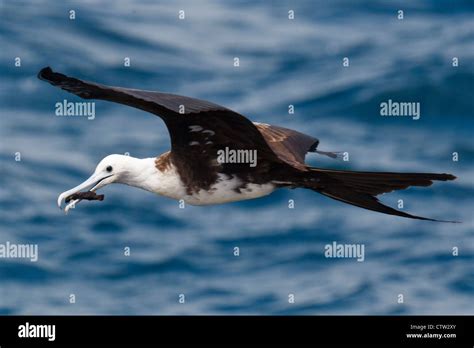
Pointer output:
x,y
289,145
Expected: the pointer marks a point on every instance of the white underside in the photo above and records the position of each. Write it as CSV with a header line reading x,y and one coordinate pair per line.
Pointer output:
x,y
169,184
223,191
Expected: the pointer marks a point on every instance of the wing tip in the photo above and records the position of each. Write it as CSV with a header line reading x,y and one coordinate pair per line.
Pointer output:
x,y
314,146
450,177
45,74
434,220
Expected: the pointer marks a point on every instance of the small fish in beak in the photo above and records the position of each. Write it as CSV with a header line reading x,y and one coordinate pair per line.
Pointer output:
x,y
74,195
79,196
88,195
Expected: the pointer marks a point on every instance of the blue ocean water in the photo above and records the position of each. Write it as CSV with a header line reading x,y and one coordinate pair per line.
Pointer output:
x,y
190,251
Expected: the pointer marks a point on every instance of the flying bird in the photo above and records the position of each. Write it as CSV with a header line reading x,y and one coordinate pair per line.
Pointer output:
x,y
194,171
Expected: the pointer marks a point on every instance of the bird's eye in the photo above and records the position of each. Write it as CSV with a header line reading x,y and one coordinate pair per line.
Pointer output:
x,y
109,169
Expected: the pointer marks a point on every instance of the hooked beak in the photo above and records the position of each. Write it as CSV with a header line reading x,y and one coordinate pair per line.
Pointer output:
x,y
96,181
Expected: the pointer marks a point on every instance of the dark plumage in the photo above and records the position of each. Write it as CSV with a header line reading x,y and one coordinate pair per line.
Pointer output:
x,y
198,129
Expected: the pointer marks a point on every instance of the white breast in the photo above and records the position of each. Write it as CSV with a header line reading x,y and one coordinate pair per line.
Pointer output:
x,y
223,191
168,183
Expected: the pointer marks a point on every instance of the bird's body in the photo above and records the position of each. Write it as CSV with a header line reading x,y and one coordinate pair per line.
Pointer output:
x,y
228,189
166,181
219,156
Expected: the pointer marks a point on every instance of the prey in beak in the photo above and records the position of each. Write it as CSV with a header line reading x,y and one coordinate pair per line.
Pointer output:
x,y
112,169
75,195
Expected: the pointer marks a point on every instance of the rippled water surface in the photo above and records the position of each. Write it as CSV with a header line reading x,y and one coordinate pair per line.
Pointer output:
x,y
190,251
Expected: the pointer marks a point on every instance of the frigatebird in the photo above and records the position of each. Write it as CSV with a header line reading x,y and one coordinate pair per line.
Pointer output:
x,y
200,132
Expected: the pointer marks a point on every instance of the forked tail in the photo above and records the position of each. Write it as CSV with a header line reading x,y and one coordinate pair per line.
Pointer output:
x,y
361,188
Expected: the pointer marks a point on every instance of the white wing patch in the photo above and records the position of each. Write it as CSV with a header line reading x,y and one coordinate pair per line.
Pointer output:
x,y
195,128
208,131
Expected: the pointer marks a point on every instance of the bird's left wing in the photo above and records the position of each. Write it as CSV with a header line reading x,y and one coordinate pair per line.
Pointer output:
x,y
198,129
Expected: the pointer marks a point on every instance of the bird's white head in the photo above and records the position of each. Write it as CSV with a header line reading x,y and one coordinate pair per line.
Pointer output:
x,y
112,169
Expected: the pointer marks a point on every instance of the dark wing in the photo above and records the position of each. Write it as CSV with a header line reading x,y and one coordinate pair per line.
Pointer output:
x,y
289,145
198,129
